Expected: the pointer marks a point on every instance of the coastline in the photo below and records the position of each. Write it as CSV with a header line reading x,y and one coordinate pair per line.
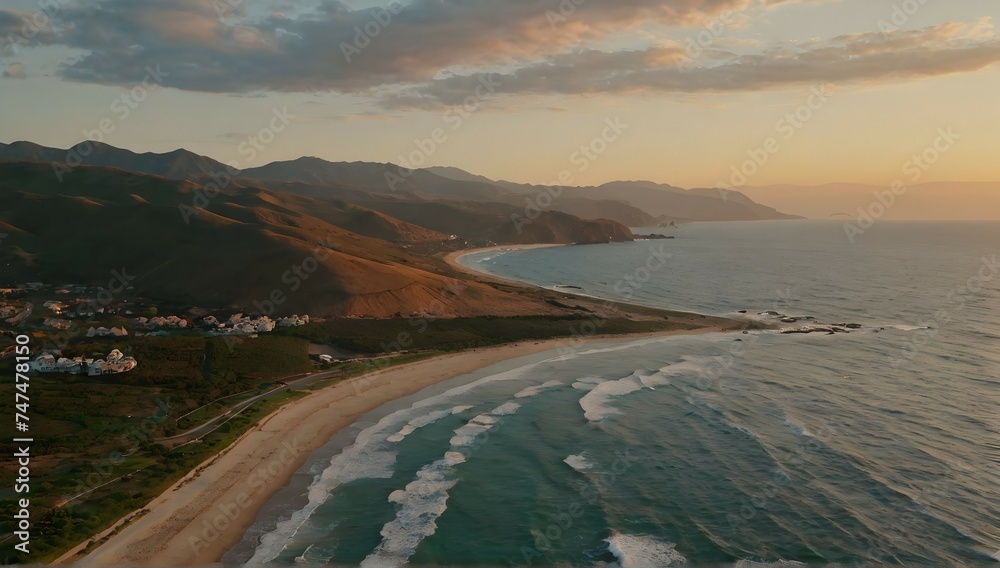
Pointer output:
x,y
205,514
451,259
198,519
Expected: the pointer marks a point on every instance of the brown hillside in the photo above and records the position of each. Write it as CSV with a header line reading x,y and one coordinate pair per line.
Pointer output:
x,y
244,251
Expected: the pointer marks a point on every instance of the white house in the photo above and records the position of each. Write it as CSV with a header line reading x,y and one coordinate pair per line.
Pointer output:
x,y
294,320
44,363
115,363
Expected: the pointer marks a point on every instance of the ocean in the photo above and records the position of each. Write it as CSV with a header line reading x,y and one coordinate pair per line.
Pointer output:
x,y
875,447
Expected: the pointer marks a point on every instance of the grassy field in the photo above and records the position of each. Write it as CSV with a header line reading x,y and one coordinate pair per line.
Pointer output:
x,y
386,336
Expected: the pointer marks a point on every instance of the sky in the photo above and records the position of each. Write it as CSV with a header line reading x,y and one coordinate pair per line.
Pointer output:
x,y
694,93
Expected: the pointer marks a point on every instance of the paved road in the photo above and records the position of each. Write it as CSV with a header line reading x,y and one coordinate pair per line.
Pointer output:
x,y
293,382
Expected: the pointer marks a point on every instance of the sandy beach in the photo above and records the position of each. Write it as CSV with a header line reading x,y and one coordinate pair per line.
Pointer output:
x,y
452,260
202,516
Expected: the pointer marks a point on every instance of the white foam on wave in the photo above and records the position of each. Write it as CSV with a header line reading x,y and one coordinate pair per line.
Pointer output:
x,y
506,408
355,462
402,434
596,404
755,564
711,337
588,383
643,551
424,420
690,364
366,458
798,428
419,505
537,389
904,327
303,559
743,429
419,422
579,463
425,499
485,419
466,435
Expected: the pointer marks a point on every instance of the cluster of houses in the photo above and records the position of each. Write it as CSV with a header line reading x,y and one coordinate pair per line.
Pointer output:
x,y
14,314
57,307
239,324
115,363
159,321
8,310
79,308
56,323
107,332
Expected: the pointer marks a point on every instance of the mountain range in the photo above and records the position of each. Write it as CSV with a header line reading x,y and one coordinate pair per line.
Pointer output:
x,y
327,238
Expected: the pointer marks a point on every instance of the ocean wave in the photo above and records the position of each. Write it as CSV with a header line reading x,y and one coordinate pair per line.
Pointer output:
x,y
798,428
425,420
579,463
485,419
643,551
419,422
419,505
303,558
778,563
366,458
746,430
596,404
587,383
506,408
423,500
716,336
537,389
467,434
905,327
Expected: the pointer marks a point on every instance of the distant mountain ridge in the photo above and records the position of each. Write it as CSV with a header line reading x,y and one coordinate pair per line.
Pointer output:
x,y
632,203
237,250
178,164
193,240
197,233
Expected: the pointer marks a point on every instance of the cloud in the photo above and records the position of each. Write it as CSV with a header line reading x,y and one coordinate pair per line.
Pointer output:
x,y
429,52
214,45
15,71
19,29
859,58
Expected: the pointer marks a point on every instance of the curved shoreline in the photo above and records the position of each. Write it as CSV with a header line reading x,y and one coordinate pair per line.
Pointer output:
x,y
206,513
452,260
198,519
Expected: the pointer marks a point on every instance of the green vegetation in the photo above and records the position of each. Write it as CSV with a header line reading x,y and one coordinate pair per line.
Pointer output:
x,y
118,485
382,336
352,369
100,433
98,455
264,357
